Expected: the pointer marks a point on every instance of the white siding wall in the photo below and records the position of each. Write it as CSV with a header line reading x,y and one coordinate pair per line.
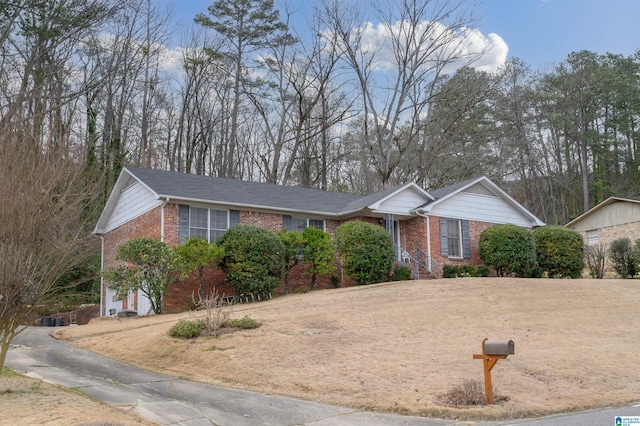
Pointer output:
x,y
109,302
481,208
133,201
144,305
403,202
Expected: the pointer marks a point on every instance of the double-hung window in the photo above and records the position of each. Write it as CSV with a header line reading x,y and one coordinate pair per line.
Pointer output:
x,y
208,224
592,237
454,238
298,224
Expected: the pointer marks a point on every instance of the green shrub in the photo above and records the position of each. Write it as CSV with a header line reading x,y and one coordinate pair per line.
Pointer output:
x,y
254,259
467,271
319,253
560,251
449,271
624,257
401,273
366,250
508,249
245,322
535,272
187,329
483,271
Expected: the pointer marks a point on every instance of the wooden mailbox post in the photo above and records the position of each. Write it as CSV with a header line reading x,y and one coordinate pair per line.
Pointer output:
x,y
492,351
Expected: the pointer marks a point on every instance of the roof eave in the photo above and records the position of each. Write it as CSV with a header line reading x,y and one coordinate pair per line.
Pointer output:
x,y
597,207
175,198
426,209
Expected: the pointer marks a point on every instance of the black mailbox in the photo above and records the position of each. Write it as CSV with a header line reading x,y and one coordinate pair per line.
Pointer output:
x,y
499,347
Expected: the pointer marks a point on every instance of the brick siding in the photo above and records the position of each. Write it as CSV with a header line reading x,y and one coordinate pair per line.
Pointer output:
x,y
146,225
475,229
607,235
181,296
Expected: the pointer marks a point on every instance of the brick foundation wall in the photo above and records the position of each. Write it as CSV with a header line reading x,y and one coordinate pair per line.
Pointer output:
x,y
181,296
83,315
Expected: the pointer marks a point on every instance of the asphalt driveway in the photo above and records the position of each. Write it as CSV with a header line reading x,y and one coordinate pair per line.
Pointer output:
x,y
168,400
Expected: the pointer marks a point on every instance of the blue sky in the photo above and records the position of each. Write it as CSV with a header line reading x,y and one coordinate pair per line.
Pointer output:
x,y
544,32
541,32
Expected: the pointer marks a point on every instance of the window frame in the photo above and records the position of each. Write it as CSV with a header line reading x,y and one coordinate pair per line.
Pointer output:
x,y
208,228
307,223
457,225
592,237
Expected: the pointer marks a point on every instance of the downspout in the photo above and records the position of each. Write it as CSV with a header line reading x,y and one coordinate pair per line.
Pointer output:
x,y
103,293
166,200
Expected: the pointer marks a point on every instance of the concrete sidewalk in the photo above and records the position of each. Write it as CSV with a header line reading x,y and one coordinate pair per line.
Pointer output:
x,y
168,400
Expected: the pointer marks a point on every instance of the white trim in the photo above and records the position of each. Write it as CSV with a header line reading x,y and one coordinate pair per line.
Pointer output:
x,y
492,187
426,216
376,205
102,301
162,219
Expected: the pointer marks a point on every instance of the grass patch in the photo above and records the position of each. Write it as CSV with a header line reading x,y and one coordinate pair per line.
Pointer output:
x,y
246,323
7,372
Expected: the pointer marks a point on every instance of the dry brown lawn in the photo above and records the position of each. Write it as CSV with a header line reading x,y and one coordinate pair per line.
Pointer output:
x,y
398,346
28,401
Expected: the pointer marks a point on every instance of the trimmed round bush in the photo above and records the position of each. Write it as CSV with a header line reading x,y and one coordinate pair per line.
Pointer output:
x,y
483,271
560,251
366,250
508,249
254,259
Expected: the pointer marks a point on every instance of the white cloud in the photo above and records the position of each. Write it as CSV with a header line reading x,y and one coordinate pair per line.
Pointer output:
x,y
436,41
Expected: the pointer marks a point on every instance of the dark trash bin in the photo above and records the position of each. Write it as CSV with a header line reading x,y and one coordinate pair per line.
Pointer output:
x,y
58,322
46,321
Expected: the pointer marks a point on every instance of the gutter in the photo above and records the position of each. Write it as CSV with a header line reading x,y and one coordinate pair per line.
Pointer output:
x,y
102,295
166,201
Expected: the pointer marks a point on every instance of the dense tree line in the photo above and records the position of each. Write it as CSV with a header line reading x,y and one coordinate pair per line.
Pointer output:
x,y
253,99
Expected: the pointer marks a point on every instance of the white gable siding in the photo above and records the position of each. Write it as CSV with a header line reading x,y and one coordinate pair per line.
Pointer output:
x,y
481,208
402,202
132,202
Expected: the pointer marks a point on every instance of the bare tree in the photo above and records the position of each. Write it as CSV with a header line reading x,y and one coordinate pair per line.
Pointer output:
x,y
46,217
397,77
247,26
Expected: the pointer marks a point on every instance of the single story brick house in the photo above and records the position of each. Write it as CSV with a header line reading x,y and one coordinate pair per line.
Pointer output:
x,y
609,220
429,229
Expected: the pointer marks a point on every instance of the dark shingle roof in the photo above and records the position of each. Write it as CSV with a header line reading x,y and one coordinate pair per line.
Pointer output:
x,y
242,193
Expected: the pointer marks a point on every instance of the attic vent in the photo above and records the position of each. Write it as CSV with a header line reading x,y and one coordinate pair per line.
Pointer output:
x,y
130,182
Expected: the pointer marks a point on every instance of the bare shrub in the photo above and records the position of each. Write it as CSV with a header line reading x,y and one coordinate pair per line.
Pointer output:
x,y
470,393
595,257
215,311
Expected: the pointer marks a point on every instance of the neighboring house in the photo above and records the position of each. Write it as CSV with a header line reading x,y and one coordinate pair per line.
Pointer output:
x,y
611,219
428,229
